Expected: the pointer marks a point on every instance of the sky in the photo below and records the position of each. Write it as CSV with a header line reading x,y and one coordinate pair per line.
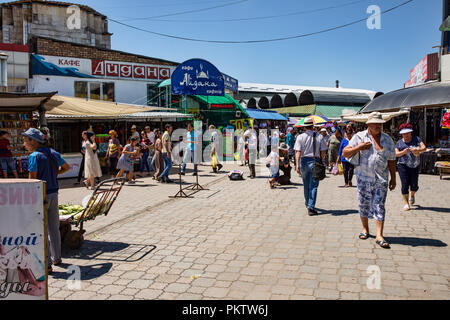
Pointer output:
x,y
359,58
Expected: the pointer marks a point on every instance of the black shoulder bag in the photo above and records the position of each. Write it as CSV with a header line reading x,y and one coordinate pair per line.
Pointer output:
x,y
319,170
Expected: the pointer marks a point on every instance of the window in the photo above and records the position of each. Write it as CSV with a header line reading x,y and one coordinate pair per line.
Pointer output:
x,y
95,90
108,91
81,89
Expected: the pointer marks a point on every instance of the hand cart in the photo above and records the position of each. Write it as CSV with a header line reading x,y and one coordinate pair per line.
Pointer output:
x,y
99,203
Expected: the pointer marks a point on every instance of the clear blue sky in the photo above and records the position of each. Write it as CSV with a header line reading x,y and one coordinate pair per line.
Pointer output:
x,y
378,60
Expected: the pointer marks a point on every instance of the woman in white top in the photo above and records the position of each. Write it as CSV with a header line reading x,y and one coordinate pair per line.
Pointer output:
x,y
92,167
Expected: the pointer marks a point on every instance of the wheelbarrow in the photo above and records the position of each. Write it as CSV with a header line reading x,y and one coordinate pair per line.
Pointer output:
x,y
99,203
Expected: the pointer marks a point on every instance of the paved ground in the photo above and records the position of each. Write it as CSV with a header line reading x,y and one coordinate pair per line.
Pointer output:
x,y
241,240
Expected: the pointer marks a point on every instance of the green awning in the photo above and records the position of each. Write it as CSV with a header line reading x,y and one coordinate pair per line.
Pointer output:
x,y
299,110
333,112
165,83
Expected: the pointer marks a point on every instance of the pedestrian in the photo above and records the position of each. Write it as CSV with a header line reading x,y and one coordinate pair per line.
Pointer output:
x,y
92,167
262,140
150,134
158,160
215,163
6,157
334,143
125,163
167,154
274,166
373,152
252,144
290,141
408,150
189,153
347,166
144,151
326,137
46,164
285,165
83,153
113,153
156,133
134,132
307,155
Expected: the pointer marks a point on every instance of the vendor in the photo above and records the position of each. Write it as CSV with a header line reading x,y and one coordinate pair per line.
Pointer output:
x,y
46,164
285,165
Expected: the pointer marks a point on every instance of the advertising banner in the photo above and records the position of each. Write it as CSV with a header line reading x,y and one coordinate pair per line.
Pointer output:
x,y
197,77
23,235
231,83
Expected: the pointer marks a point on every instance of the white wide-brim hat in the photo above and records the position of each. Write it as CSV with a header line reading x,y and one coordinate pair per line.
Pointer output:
x,y
407,130
375,117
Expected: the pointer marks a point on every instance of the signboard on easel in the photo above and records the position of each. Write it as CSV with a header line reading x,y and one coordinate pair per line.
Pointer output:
x,y
23,240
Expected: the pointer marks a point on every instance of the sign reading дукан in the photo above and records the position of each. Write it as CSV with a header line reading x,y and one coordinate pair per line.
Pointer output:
x,y
22,240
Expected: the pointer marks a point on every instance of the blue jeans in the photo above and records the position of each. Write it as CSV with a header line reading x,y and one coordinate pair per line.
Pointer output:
x,y
144,163
167,166
151,163
188,158
8,163
309,184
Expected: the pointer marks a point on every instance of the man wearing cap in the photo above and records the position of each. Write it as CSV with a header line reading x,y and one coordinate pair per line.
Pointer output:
x,y
134,132
306,156
373,153
46,164
408,150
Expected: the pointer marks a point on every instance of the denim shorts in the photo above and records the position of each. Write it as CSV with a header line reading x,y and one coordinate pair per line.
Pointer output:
x,y
8,163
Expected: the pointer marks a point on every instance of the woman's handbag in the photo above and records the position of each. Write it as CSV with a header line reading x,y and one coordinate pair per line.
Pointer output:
x,y
335,170
319,170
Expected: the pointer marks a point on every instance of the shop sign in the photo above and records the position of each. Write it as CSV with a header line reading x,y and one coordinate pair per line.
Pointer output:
x,y
241,123
77,67
22,241
197,77
231,84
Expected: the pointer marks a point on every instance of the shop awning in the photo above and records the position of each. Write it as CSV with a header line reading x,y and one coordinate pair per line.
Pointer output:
x,y
265,115
300,110
82,108
166,116
22,102
364,117
431,94
334,112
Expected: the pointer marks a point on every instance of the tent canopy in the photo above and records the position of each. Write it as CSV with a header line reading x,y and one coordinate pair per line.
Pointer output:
x,y
430,94
265,115
364,117
82,108
23,102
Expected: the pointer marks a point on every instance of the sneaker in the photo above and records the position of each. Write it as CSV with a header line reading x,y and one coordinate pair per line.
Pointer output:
x,y
168,181
219,167
312,212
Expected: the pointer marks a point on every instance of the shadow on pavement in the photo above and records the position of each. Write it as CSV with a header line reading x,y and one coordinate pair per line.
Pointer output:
x,y
109,251
446,210
86,272
337,212
416,242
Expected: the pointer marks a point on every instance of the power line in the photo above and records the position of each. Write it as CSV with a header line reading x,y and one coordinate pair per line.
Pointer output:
x,y
263,17
162,5
258,41
190,11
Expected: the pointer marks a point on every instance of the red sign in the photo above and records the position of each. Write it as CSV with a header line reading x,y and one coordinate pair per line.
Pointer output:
x,y
112,69
98,68
139,72
222,106
424,71
129,71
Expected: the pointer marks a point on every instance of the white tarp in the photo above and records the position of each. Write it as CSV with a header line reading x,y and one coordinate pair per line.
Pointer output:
x,y
364,117
22,240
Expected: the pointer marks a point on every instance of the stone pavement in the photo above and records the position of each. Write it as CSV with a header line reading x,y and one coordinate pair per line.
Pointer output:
x,y
241,240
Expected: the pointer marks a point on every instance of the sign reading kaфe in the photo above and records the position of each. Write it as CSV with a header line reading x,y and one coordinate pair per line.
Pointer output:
x,y
22,240
197,77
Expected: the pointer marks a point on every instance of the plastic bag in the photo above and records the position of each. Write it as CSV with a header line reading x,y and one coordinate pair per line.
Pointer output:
x,y
341,169
214,161
335,170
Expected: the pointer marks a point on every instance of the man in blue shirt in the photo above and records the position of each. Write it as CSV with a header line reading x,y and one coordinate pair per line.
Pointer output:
x,y
189,152
46,164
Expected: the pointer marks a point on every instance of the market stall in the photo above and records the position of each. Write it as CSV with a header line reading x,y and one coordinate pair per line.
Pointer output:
x,y
19,112
68,117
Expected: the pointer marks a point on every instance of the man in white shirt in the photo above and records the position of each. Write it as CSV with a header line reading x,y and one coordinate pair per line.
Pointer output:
x,y
306,156
252,143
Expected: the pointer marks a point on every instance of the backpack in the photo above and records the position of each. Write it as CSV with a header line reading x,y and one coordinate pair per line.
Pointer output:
x,y
236,175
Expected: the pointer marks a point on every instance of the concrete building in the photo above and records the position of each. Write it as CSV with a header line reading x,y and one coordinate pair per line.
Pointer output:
x,y
57,20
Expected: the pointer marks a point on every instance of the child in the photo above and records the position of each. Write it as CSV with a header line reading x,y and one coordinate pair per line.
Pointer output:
x,y
274,159
6,157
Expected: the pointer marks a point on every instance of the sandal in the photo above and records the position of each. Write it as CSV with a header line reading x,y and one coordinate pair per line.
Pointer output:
x,y
364,236
406,207
412,200
383,244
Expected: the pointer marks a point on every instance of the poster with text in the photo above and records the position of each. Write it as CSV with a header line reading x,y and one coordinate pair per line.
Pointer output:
x,y
22,240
